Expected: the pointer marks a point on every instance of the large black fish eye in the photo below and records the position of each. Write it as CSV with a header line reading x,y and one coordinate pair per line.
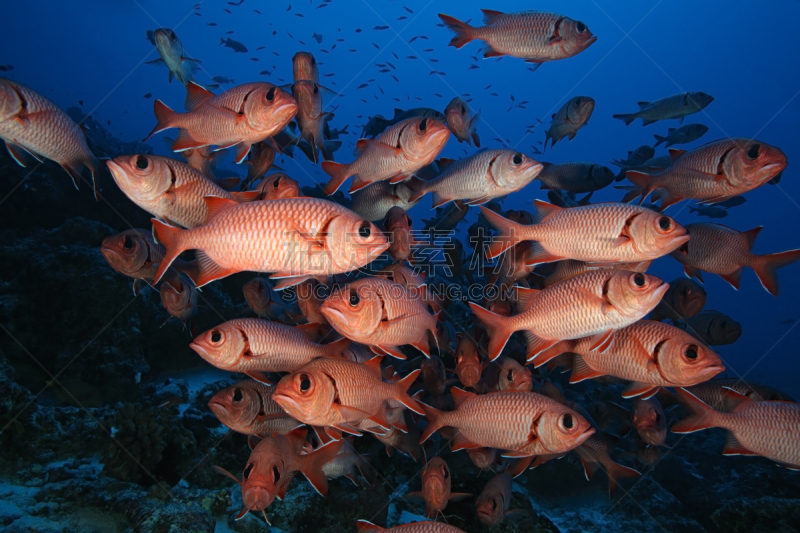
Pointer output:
x,y
567,421
578,101
127,242
664,223
423,125
216,336
638,279
658,417
691,352
277,182
354,299
247,470
237,395
510,375
463,109
494,504
305,382
752,153
276,475
581,27
316,89
446,473
271,94
364,230
142,162
517,159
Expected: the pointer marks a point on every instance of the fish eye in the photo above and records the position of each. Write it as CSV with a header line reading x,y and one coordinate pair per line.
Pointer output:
x,y
276,475
127,242
277,182
658,417
510,375
567,421
752,153
423,125
517,159
665,223
364,231
247,470
316,89
494,504
270,94
446,473
237,395
142,162
305,383
578,101
216,336
581,27
691,352
354,299
638,279
463,109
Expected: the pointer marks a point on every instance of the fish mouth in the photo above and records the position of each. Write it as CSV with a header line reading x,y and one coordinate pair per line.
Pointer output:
x,y
216,406
590,41
584,436
709,372
679,240
331,312
119,175
202,352
659,291
773,166
287,402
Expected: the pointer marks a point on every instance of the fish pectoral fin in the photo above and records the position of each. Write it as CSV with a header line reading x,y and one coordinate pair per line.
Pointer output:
x,y
416,496
259,376
351,414
460,442
734,447
392,351
158,61
581,370
555,39
638,389
589,468
602,341
242,149
288,279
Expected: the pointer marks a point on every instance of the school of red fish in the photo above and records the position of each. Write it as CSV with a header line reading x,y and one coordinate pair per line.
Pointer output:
x,y
321,370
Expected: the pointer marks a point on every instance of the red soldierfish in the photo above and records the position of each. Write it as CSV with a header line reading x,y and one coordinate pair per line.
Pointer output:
x,y
248,408
493,502
435,491
397,225
239,117
568,120
297,238
413,527
534,36
394,155
649,421
722,250
277,186
32,124
769,429
595,303
599,233
461,121
712,173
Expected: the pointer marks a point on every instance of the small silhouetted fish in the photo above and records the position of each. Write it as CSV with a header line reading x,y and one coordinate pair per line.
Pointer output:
x,y
236,46
229,32
380,28
148,95
223,80
240,2
299,15
257,11
6,68
265,73
408,9
260,48
710,211
363,85
733,202
289,7
317,37
402,18
254,59
358,30
376,46
226,10
211,24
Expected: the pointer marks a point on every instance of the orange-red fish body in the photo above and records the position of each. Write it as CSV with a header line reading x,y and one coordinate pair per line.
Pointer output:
x,y
649,421
436,481
397,225
277,186
248,408
179,298
462,122
468,362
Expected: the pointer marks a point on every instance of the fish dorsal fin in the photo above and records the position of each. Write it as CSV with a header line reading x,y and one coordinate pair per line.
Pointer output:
x,y
196,95
217,204
361,145
751,235
642,105
490,15
460,396
525,297
543,210
674,153
445,162
732,400
374,364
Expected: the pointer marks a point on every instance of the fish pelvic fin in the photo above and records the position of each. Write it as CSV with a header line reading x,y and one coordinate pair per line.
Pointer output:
x,y
702,416
463,31
434,417
336,348
312,466
766,268
338,173
403,385
498,327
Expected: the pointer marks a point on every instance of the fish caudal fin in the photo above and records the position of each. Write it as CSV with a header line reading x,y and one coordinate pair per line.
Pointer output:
x,y
337,172
510,233
170,237
434,417
659,140
336,348
702,417
463,31
497,326
615,472
312,466
766,268
643,181
164,117
626,117
403,386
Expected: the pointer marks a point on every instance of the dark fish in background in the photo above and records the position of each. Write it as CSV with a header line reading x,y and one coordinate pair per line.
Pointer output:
x,y
173,56
377,124
635,157
179,298
715,328
6,68
278,185
710,211
710,392
567,199
236,46
732,202
446,218
311,119
572,116
436,493
684,299
575,177
461,121
374,201
223,80
528,35
493,502
676,106
683,135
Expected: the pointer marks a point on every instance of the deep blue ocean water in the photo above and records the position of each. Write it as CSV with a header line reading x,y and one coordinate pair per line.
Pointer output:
x,y
743,53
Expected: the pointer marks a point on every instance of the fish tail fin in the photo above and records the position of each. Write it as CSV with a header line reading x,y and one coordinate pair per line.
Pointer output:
x,y
626,117
312,467
434,417
463,31
338,173
615,472
403,385
509,233
643,181
164,118
170,237
702,416
497,326
337,348
659,140
767,266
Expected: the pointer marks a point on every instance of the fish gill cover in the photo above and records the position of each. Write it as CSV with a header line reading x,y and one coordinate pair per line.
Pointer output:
x,y
467,258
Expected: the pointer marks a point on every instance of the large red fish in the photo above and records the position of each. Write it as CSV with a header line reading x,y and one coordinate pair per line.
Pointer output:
x,y
248,408
239,117
413,527
722,250
297,238
32,124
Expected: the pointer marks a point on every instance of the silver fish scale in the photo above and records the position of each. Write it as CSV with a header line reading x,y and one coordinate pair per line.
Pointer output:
x,y
771,429
374,201
670,107
717,249
466,178
275,346
57,137
526,35
188,210
587,233
561,311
